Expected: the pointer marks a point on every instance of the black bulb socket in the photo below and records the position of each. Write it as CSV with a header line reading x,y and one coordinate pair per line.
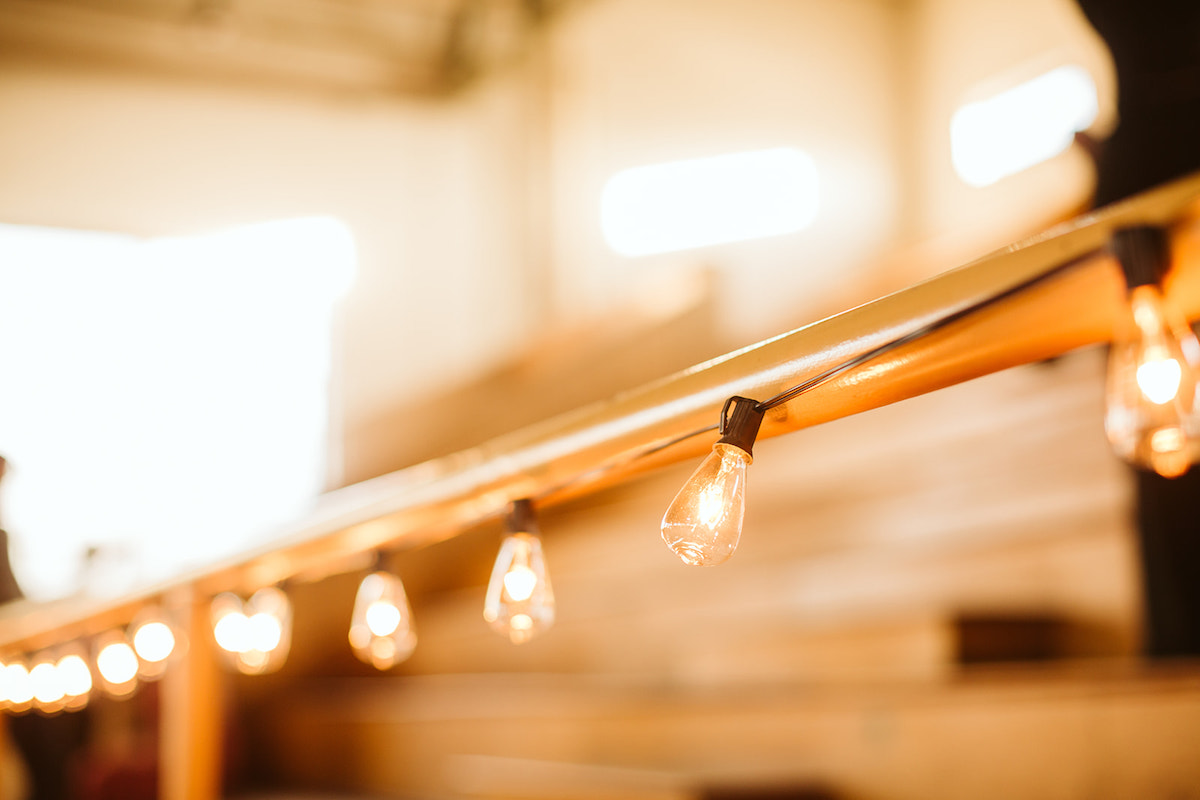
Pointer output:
x,y
741,418
520,517
1144,253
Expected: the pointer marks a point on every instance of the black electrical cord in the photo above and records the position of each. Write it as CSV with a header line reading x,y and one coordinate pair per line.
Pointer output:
x,y
912,336
824,377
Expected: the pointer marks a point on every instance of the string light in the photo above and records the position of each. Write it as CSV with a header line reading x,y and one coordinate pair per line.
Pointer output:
x,y
1152,418
704,522
18,687
257,634
520,601
117,664
49,697
76,678
154,641
381,628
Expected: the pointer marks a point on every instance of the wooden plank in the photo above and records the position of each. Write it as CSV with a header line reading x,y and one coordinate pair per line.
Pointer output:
x,y
1060,732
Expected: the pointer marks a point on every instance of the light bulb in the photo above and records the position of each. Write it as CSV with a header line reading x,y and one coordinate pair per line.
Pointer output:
x,y
155,641
117,664
1153,408
256,635
268,632
76,679
18,687
48,693
520,601
381,629
704,522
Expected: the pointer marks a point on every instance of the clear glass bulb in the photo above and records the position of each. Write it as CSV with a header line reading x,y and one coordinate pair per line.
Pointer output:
x,y
520,600
704,521
18,687
49,696
117,664
1153,417
381,629
76,679
231,626
255,635
155,641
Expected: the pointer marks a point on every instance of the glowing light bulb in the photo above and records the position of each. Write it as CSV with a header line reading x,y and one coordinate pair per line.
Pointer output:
x,y
265,632
48,690
232,632
703,524
153,641
18,686
519,582
75,675
117,664
1153,408
382,618
231,626
520,601
268,632
255,635
381,629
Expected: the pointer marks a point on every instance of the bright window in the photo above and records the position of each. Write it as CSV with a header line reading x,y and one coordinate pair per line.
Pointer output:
x,y
1025,125
706,201
164,400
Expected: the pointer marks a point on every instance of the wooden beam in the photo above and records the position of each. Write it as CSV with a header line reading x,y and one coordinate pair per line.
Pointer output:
x,y
191,717
611,441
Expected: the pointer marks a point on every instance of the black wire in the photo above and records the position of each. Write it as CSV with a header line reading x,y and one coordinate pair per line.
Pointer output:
x,y
912,336
833,372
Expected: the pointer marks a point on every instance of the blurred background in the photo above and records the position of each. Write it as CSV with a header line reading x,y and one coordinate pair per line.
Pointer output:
x,y
245,247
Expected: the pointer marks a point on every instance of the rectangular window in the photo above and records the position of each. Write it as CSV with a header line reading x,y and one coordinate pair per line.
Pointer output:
x,y
165,401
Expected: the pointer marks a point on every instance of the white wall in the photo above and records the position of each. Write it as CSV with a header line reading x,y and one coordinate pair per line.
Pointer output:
x,y
645,81
425,186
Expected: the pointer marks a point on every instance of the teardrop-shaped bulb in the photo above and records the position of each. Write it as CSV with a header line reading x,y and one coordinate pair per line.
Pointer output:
x,y
704,521
116,664
1152,417
267,632
49,696
231,626
520,600
18,688
381,628
76,678
156,641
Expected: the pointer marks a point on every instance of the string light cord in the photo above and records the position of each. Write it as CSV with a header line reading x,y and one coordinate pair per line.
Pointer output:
x,y
824,377
925,330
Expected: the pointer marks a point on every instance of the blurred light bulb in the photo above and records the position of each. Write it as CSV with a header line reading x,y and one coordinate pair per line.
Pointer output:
x,y
47,686
117,664
1152,417
704,522
520,600
232,632
519,582
258,634
154,641
265,632
18,686
381,629
382,618
76,676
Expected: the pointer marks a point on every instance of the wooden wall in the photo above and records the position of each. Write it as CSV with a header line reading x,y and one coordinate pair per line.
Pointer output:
x,y
850,646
